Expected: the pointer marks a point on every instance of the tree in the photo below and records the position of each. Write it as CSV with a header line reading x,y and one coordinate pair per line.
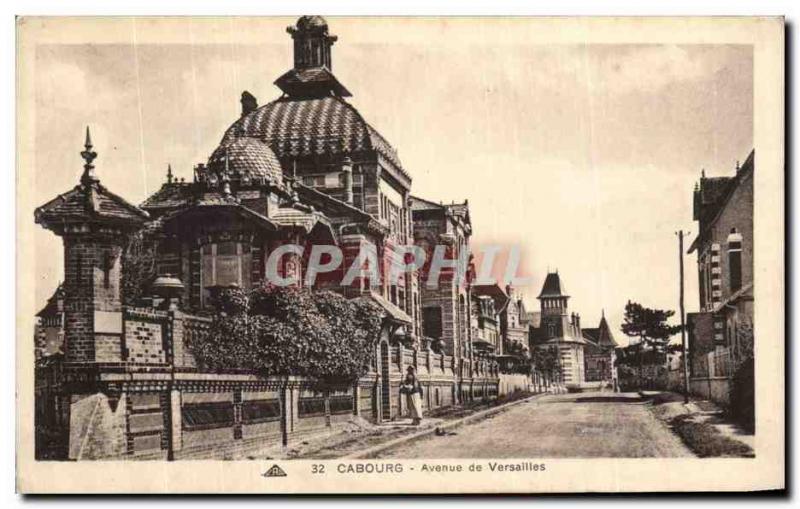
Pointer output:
x,y
291,331
651,327
546,361
742,392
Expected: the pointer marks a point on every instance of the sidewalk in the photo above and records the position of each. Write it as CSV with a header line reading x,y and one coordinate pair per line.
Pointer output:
x,y
364,438
702,426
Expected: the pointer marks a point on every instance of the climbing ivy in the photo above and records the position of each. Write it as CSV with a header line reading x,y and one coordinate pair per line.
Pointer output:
x,y
288,331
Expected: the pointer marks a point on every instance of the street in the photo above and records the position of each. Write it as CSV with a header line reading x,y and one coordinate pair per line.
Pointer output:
x,y
568,426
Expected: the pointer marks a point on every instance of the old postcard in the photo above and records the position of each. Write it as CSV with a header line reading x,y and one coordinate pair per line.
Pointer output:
x,y
400,255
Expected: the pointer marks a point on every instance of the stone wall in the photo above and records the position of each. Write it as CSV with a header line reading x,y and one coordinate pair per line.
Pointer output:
x,y
97,426
511,382
149,408
716,389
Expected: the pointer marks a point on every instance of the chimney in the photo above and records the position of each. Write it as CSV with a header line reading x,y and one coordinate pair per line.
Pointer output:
x,y
249,102
347,174
578,321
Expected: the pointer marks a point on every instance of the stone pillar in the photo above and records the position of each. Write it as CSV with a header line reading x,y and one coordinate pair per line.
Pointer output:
x,y
347,174
402,407
176,420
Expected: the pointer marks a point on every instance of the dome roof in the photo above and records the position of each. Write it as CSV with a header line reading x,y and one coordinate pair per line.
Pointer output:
x,y
246,157
311,22
297,127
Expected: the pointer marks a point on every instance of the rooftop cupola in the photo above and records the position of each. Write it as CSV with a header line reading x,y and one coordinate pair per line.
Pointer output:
x,y
311,76
312,43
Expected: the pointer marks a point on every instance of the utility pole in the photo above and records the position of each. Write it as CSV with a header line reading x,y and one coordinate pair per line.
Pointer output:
x,y
685,354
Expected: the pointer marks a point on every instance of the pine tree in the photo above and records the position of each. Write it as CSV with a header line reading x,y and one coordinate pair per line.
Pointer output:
x,y
651,327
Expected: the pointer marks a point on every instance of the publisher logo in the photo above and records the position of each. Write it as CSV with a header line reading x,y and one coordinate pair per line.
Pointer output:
x,y
274,471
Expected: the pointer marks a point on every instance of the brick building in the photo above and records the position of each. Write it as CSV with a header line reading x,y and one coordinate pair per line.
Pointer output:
x,y
445,306
304,169
720,334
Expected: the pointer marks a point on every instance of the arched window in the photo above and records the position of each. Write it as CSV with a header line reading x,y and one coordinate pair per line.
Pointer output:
x,y
735,260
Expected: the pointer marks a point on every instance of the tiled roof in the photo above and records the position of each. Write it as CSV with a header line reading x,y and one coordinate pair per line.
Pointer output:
x,y
601,335
55,304
713,195
171,195
296,127
246,157
418,203
591,333
212,204
457,209
552,286
329,205
89,202
495,292
311,81
605,337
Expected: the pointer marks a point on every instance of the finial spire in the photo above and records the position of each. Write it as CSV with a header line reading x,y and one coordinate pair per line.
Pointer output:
x,y
169,173
89,156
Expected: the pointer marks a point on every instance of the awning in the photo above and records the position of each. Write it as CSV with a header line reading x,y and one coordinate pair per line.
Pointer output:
x,y
393,312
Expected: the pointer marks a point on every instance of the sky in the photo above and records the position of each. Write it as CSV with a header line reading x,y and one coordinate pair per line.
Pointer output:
x,y
583,155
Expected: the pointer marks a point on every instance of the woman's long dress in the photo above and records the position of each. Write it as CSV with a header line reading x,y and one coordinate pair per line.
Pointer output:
x,y
414,400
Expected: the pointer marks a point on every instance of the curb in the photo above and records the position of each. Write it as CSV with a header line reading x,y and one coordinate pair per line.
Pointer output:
x,y
445,426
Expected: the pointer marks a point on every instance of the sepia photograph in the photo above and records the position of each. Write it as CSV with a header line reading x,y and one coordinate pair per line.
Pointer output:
x,y
377,254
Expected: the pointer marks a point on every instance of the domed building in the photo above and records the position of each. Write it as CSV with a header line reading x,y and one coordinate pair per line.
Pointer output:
x,y
303,170
305,167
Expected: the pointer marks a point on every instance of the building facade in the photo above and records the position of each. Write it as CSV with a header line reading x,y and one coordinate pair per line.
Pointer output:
x,y
303,170
720,334
445,306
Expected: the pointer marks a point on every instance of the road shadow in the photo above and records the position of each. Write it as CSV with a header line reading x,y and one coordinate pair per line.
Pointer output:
x,y
610,399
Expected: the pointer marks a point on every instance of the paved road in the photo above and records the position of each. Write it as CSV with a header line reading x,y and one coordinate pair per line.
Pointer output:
x,y
556,426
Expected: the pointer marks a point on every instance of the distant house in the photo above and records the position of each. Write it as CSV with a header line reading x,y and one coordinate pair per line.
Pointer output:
x,y
489,302
586,356
561,330
599,354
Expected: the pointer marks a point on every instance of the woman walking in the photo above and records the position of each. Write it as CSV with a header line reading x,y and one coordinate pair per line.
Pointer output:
x,y
413,391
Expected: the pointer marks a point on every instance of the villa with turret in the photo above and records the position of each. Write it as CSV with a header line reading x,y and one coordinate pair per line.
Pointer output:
x,y
585,355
